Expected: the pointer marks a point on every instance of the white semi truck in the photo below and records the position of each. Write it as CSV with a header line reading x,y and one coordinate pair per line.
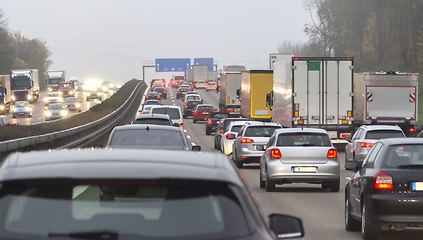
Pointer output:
x,y
313,92
200,72
25,85
53,79
386,98
230,84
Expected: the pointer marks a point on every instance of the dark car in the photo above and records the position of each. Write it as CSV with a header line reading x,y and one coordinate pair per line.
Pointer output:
x,y
152,95
214,121
220,130
202,112
386,191
156,119
181,92
189,107
131,194
161,91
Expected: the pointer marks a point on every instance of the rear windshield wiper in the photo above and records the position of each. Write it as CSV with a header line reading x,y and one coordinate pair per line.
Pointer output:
x,y
109,235
411,166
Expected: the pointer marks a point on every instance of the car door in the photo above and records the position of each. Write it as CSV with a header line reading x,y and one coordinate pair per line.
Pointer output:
x,y
237,139
354,142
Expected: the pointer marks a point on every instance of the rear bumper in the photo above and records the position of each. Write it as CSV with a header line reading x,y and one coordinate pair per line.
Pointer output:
x,y
395,209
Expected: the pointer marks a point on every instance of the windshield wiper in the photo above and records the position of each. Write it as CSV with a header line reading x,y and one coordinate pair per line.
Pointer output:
x,y
109,235
411,166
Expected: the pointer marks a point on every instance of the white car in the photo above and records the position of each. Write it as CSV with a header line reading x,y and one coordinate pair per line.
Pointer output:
x,y
174,112
201,84
228,137
53,97
189,97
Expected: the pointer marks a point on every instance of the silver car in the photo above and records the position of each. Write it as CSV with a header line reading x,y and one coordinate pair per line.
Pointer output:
x,y
228,137
299,155
56,111
365,137
251,141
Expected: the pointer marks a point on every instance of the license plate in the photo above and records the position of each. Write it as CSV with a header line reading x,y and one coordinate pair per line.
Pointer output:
x,y
305,169
417,186
205,113
258,146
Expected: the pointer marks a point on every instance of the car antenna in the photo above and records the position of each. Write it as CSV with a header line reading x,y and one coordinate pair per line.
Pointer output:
x,y
147,128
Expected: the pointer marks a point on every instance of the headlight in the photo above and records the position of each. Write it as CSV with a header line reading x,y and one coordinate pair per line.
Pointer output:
x,y
98,94
104,88
29,97
27,108
15,109
50,89
46,100
64,113
88,94
1,107
60,99
48,113
13,98
71,92
77,105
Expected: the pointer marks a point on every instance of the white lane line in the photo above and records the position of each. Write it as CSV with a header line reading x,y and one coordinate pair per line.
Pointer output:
x,y
193,144
40,118
173,104
185,130
188,136
173,100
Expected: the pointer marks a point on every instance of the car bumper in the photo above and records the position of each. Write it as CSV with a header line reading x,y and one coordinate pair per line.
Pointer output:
x,y
282,172
246,155
187,112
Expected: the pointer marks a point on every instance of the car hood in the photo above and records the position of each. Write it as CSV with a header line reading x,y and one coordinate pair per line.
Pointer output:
x,y
161,147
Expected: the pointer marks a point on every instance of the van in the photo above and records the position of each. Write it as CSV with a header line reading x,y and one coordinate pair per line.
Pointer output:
x,y
191,97
174,113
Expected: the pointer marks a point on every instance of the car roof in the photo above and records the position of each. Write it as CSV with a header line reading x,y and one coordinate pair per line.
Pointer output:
x,y
238,123
258,123
164,106
204,105
145,126
381,127
118,164
156,116
295,130
395,141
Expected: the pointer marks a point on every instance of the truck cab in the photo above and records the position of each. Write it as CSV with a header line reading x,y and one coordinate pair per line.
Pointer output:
x,y
67,89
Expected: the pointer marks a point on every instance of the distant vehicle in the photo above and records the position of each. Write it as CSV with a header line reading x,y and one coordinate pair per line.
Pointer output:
x,y
55,111
173,111
364,138
181,92
132,194
214,121
189,106
73,104
251,141
300,155
384,192
152,102
67,89
191,96
202,112
228,137
53,78
53,97
94,93
201,84
152,95
25,85
148,136
22,108
199,72
155,119
221,129
161,91
233,68
230,83
6,101
211,86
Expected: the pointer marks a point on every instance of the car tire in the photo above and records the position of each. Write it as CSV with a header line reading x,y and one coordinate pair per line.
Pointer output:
x,y
262,183
184,116
87,99
269,185
13,116
351,224
222,149
239,164
215,145
334,186
194,121
207,131
369,230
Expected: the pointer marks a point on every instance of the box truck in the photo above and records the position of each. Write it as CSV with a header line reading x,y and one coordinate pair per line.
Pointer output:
x,y
5,94
200,72
230,83
255,85
53,79
386,98
314,92
189,75
25,85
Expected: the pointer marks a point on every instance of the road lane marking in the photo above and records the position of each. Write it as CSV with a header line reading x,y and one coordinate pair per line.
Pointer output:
x,y
185,130
193,144
188,136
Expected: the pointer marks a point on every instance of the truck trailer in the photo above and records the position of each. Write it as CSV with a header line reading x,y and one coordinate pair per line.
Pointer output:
x,y
25,85
200,72
54,78
189,75
314,92
389,98
230,83
233,68
5,94
255,85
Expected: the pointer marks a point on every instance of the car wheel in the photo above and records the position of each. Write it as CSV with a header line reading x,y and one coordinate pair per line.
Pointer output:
x,y
239,164
207,131
262,183
369,230
222,149
87,99
215,145
194,120
184,116
350,223
14,116
334,186
269,185
30,115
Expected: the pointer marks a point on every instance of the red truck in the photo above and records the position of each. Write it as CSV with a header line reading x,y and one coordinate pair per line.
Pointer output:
x,y
67,89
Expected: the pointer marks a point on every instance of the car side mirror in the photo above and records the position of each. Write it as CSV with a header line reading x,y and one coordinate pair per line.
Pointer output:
x,y
285,226
176,124
196,148
352,165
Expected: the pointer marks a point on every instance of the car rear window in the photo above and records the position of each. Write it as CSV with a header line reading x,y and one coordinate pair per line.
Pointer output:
x,y
260,131
219,115
303,139
191,97
404,155
381,134
205,108
227,121
172,112
152,137
135,208
155,121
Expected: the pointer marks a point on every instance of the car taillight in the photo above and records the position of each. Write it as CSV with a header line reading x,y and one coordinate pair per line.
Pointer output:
x,y
185,105
164,91
158,96
412,129
181,126
221,129
230,110
179,92
275,153
209,121
196,113
382,180
363,144
247,140
146,96
332,153
228,136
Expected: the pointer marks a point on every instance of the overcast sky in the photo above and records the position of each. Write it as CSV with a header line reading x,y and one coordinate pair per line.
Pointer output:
x,y
111,39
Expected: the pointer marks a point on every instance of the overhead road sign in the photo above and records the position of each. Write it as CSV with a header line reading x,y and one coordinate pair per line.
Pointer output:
x,y
204,61
172,64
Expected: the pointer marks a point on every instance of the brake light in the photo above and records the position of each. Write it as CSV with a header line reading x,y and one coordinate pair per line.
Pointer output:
x,y
158,96
412,129
230,110
209,121
275,154
228,136
185,105
332,153
363,144
196,113
164,91
382,180
247,140
146,96
181,126
179,92
221,129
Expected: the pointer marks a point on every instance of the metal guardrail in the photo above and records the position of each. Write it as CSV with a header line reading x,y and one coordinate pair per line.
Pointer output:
x,y
15,144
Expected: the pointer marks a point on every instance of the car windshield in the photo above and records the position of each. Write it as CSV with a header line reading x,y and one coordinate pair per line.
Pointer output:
x,y
205,108
21,104
303,139
380,134
133,209
152,94
71,100
66,85
158,137
260,131
172,112
404,155
219,115
53,95
55,107
155,121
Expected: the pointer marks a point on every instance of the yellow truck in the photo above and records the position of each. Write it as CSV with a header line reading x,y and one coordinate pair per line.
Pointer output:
x,y
255,85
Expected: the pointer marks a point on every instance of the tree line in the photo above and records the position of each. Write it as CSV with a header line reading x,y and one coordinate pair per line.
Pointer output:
x,y
381,35
19,52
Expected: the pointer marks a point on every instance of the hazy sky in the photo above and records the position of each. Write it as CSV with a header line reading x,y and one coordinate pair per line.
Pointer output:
x,y
111,39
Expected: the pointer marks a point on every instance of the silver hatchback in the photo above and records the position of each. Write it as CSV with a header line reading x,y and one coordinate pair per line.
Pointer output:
x,y
299,155
251,141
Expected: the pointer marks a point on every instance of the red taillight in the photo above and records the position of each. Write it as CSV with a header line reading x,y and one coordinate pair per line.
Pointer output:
x,y
196,113
181,126
363,144
146,96
228,136
332,153
164,91
275,153
185,105
179,92
207,86
209,121
412,129
153,88
229,110
247,140
158,96
382,181
221,129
